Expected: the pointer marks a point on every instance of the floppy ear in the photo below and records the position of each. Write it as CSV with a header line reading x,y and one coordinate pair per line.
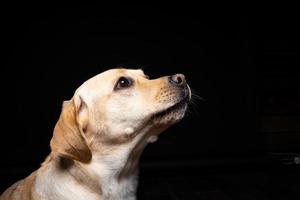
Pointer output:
x,y
68,138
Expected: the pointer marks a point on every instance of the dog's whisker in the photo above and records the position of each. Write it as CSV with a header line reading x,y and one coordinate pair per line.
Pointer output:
x,y
193,110
194,103
195,96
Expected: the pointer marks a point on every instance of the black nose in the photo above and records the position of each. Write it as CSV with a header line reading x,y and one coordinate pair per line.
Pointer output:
x,y
177,79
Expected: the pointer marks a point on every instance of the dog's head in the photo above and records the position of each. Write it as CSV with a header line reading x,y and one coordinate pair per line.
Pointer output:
x,y
116,107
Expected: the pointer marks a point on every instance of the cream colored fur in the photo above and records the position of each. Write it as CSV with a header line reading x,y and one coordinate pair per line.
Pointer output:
x,y
100,135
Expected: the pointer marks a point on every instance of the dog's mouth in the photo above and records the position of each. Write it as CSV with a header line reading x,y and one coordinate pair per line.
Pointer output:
x,y
173,113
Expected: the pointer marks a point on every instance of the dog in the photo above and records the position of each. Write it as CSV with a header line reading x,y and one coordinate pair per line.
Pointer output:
x,y
100,135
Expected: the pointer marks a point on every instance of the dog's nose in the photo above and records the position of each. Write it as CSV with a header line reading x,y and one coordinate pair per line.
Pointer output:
x,y
177,79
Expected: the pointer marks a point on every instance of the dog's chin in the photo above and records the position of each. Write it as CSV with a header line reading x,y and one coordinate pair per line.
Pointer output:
x,y
172,114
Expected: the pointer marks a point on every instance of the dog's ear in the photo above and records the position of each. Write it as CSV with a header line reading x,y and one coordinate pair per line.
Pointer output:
x,y
68,138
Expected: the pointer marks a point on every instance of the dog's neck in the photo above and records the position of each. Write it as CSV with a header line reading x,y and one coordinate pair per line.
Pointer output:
x,y
94,181
111,176
121,164
107,170
120,160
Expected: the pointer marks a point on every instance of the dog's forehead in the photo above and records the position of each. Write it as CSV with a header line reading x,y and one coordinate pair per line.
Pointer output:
x,y
104,80
121,72
112,74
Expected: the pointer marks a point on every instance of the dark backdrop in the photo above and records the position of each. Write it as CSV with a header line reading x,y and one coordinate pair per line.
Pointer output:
x,y
51,50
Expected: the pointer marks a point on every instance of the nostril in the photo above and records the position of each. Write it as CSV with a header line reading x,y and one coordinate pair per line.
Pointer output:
x,y
177,79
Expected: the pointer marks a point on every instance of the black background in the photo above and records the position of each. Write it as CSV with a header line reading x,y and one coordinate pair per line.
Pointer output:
x,y
235,60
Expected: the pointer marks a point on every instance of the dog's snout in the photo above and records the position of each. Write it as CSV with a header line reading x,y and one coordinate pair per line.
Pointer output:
x,y
177,79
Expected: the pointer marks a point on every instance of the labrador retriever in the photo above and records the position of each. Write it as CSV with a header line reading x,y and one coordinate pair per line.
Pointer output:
x,y
100,135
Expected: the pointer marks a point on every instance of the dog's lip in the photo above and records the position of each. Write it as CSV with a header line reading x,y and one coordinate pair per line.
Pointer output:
x,y
182,102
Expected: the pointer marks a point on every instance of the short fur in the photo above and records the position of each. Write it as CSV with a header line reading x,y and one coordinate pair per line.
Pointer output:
x,y
100,136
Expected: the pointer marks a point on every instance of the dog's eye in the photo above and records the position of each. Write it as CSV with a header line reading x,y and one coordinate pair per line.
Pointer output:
x,y
123,82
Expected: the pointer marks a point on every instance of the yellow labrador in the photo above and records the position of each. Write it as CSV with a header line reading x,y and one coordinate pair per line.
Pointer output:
x,y
100,135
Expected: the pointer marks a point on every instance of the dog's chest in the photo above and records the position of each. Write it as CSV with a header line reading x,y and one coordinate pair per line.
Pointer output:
x,y
119,190
61,186
111,190
108,170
